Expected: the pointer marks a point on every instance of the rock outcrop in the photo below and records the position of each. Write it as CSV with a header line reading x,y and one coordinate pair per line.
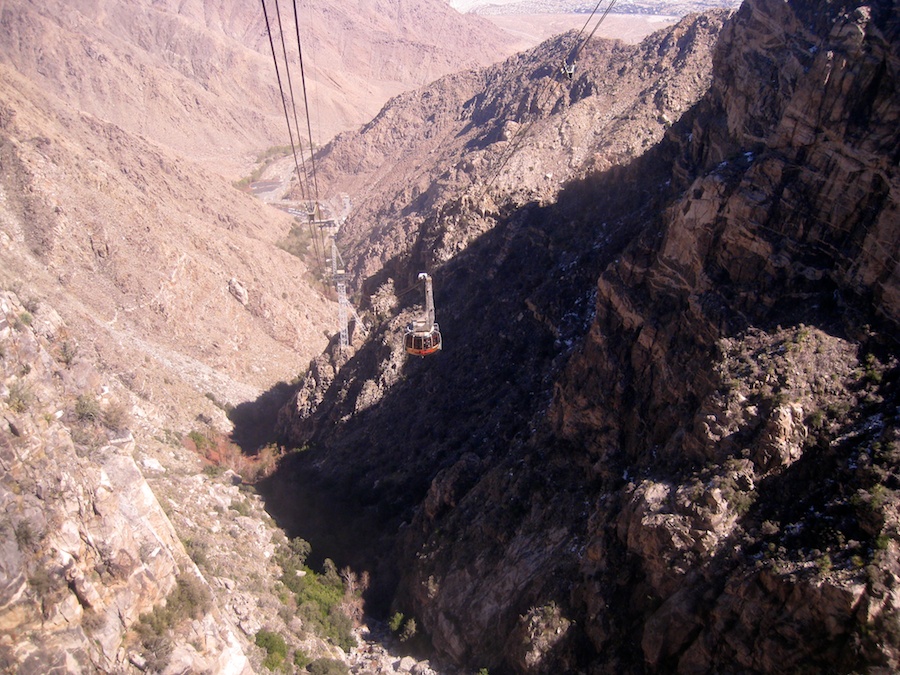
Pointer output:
x,y
87,548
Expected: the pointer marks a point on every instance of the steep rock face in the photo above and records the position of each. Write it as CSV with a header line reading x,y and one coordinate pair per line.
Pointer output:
x,y
779,227
792,218
706,482
383,434
87,549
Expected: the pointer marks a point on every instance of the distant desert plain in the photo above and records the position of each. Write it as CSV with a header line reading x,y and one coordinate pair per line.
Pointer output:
x,y
532,29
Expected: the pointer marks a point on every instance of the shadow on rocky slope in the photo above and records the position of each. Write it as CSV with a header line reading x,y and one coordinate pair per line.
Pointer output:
x,y
662,434
254,421
511,307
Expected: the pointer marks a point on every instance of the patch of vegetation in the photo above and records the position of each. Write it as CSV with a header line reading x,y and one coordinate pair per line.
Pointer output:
x,y
274,152
297,242
403,628
740,500
824,564
396,622
874,371
816,420
68,350
190,599
301,659
24,319
87,409
197,550
93,621
227,408
409,630
240,506
26,538
20,396
291,558
319,597
200,440
213,470
117,416
44,582
275,646
264,159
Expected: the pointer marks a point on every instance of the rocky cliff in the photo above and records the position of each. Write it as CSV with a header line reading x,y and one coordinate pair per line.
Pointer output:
x,y
87,549
662,435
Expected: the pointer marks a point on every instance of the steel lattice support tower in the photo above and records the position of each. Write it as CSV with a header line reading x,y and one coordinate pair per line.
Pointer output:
x,y
337,272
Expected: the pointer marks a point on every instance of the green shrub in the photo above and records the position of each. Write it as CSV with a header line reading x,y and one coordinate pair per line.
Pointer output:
x,y
301,659
200,440
213,470
197,551
396,622
189,599
816,420
409,630
290,558
874,372
67,352
275,646
879,495
319,598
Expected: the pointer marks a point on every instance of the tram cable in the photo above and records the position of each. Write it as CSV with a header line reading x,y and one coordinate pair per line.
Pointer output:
x,y
567,69
312,155
570,60
308,193
316,213
284,98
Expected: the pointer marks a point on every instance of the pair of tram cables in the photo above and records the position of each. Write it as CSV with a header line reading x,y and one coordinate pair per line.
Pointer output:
x,y
567,68
310,193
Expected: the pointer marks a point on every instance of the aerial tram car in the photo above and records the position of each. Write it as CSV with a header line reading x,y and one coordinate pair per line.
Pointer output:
x,y
423,336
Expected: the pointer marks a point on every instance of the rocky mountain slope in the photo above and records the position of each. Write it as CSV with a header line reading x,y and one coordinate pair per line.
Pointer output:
x,y
662,435
124,549
162,303
508,135
87,549
154,68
